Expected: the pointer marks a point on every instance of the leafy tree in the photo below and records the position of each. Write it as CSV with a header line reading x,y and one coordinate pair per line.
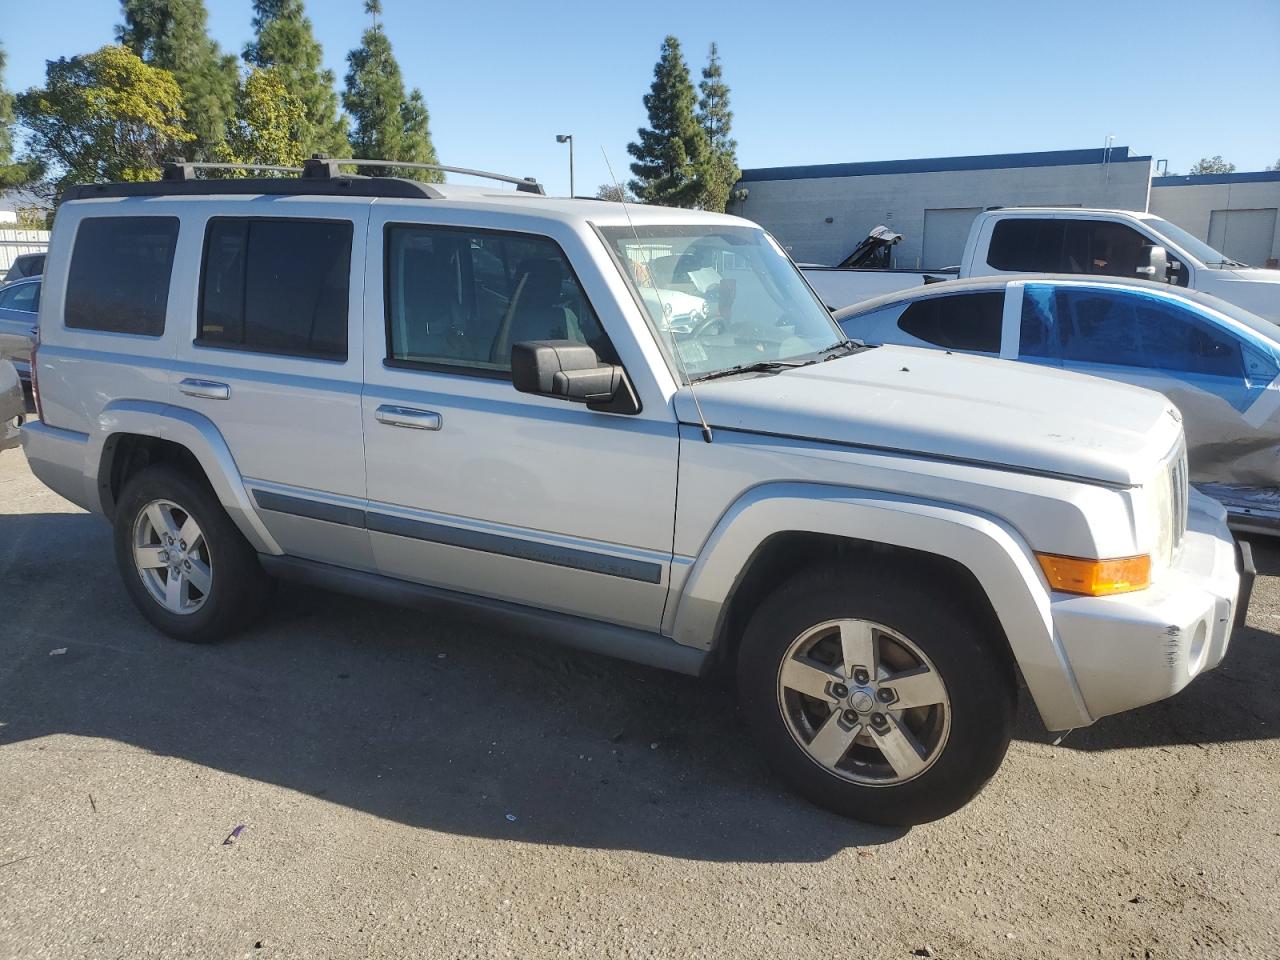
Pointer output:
x,y
720,170
1214,164
386,125
102,116
1275,166
11,174
670,152
614,192
267,126
283,39
173,35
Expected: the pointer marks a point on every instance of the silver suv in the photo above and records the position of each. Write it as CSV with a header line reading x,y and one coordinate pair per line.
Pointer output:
x,y
631,429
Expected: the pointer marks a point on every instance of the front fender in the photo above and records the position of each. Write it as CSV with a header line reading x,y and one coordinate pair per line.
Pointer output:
x,y
197,434
990,549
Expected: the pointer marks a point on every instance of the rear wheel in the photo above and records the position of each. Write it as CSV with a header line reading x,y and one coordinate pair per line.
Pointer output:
x,y
874,697
183,562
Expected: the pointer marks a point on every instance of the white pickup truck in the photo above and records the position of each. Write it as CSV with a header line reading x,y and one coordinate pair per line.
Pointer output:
x,y
1115,243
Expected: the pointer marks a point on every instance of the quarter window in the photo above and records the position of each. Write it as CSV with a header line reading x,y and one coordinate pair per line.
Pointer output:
x,y
25,297
459,298
276,286
118,280
963,321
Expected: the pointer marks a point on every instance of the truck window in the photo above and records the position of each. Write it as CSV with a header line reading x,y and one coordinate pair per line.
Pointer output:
x,y
1104,248
458,299
118,281
1137,330
276,286
1027,245
962,321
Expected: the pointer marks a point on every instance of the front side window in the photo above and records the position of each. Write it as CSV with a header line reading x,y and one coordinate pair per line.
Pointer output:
x,y
962,321
118,281
721,296
459,299
1138,330
276,286
1104,248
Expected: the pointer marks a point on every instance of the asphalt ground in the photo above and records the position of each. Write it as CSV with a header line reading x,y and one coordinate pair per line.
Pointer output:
x,y
419,786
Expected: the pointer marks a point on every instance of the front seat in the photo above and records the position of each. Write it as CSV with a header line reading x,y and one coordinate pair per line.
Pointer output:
x,y
535,312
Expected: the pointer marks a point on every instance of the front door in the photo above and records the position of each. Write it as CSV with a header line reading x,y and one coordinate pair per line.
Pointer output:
x,y
476,488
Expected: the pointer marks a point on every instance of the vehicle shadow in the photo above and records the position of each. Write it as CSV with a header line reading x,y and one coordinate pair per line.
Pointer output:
x,y
426,720
1236,701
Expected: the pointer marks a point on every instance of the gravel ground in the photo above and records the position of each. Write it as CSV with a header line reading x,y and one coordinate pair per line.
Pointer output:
x,y
415,786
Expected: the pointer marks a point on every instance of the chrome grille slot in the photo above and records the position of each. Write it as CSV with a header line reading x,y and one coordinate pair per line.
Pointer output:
x,y
1180,494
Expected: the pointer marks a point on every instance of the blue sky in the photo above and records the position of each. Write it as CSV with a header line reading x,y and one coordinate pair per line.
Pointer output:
x,y
811,83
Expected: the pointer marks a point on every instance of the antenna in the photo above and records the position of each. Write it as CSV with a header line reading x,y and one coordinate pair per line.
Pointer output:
x,y
675,351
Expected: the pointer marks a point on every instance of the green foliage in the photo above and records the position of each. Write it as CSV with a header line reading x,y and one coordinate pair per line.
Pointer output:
x,y
173,35
671,152
614,192
720,170
386,125
267,125
102,116
11,174
283,40
1214,164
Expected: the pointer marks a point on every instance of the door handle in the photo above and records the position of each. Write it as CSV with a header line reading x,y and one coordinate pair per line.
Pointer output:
x,y
408,417
208,389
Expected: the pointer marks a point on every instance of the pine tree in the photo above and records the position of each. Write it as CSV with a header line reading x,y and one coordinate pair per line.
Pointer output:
x,y
720,171
386,125
283,40
672,149
173,35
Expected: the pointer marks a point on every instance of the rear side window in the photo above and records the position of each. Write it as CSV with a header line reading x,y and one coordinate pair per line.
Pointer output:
x,y
276,286
1027,245
963,321
119,276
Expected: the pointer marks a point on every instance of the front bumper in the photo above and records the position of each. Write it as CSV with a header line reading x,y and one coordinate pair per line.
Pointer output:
x,y
1137,648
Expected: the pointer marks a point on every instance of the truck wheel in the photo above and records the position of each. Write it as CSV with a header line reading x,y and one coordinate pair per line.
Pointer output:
x,y
879,699
184,564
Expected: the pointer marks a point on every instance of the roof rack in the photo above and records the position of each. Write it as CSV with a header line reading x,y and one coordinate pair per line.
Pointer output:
x,y
319,176
322,166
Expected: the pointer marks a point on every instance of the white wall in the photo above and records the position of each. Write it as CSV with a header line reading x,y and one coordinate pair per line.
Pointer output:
x,y
15,242
1193,206
795,211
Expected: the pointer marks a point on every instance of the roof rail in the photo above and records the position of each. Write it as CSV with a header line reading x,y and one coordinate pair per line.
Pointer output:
x,y
181,170
320,166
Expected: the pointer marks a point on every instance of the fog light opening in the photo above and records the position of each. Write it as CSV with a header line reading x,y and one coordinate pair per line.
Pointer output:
x,y
1199,648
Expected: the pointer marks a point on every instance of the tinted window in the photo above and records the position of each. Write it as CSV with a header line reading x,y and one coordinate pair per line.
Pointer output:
x,y
25,296
461,298
1027,245
1103,248
276,286
119,275
1137,330
963,321
1036,338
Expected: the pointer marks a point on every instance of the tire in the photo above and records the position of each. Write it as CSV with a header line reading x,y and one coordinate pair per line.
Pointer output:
x,y
792,669
225,587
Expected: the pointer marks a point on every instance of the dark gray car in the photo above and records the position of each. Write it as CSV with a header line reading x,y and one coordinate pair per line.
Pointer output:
x,y
19,308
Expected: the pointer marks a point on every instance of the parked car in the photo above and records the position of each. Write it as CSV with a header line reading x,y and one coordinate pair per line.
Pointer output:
x,y
1219,364
1072,240
19,310
432,393
24,265
13,406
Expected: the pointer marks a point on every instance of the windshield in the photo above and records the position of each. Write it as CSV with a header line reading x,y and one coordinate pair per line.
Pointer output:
x,y
722,296
1197,248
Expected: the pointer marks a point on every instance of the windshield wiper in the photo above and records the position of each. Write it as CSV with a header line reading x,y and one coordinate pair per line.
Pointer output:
x,y
851,346
760,366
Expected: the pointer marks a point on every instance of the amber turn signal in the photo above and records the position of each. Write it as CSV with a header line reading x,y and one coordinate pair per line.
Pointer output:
x,y
1096,578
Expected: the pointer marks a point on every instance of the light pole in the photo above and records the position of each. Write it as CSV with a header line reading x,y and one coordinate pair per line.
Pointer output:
x,y
568,138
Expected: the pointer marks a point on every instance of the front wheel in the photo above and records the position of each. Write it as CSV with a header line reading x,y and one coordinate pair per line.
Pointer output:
x,y
875,697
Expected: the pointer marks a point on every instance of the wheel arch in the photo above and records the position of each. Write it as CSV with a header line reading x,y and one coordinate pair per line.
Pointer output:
x,y
776,527
131,434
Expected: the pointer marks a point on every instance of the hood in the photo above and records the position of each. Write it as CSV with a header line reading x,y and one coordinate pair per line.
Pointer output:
x,y
1255,289
959,407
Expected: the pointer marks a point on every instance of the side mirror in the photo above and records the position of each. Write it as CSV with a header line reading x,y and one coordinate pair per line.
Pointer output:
x,y
1156,266
568,370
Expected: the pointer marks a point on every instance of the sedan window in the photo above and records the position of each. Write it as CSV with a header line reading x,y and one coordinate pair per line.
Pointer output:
x,y
962,321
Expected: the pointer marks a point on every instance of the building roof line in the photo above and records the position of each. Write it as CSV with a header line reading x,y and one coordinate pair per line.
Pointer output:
x,y
1192,180
994,161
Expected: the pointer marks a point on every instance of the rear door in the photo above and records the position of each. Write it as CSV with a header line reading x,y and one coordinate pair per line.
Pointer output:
x,y
476,488
272,355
